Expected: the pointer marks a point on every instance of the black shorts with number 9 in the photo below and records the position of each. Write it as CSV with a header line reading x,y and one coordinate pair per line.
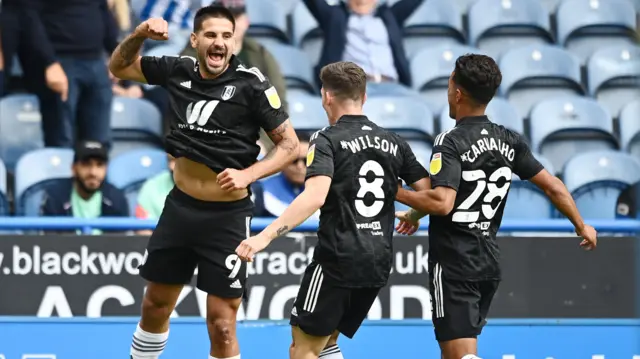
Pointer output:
x,y
193,233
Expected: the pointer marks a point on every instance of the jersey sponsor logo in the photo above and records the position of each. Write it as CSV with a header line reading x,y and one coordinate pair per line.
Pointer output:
x,y
228,92
436,163
273,98
372,225
310,154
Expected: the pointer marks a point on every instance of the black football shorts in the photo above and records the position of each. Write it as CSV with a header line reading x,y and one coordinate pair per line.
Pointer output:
x,y
459,308
322,307
193,233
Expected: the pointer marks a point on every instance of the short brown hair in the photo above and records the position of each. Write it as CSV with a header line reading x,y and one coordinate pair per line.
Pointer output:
x,y
345,80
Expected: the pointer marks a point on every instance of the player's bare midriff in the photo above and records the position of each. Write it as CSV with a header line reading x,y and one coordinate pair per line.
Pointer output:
x,y
200,182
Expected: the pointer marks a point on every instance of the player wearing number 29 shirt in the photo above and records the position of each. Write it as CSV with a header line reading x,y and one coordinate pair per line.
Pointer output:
x,y
353,168
217,108
470,173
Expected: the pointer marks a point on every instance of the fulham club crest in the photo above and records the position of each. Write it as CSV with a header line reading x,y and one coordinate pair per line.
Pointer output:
x,y
228,92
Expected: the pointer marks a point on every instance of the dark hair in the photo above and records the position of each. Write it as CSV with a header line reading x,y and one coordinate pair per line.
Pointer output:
x,y
479,76
345,80
215,11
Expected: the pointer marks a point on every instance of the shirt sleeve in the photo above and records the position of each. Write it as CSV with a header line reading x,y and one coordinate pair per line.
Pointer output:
x,y
269,109
411,171
156,70
445,168
525,164
320,157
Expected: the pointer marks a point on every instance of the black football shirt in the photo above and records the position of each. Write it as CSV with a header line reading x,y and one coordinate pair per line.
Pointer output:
x,y
215,122
357,219
477,159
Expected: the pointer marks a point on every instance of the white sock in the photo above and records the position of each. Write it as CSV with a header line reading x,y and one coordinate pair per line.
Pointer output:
x,y
235,357
332,352
148,345
470,356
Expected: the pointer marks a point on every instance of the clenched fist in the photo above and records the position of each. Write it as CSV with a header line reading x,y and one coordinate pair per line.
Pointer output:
x,y
154,29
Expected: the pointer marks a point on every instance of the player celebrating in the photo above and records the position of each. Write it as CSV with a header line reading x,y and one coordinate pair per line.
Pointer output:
x,y
471,168
352,176
217,109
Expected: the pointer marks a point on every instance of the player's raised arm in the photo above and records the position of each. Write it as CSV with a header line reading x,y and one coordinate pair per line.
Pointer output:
x,y
316,187
125,61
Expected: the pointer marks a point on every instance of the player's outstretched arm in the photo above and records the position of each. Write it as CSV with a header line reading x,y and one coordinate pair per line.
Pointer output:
x,y
125,60
307,203
557,192
410,220
438,201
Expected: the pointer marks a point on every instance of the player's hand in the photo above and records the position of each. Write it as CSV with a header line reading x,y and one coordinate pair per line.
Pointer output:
x,y
57,80
406,225
250,246
589,237
154,29
233,180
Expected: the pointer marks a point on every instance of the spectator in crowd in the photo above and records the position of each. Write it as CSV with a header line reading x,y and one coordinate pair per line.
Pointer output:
x,y
86,194
122,14
178,13
252,54
366,33
66,46
12,38
281,189
628,205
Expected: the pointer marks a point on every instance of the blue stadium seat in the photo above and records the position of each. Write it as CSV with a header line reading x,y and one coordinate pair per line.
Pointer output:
x,y
499,25
422,150
564,127
499,111
4,203
614,76
408,116
307,35
533,73
295,66
434,23
550,5
135,123
587,25
630,128
20,128
596,179
268,21
431,69
306,112
375,89
130,170
526,200
34,171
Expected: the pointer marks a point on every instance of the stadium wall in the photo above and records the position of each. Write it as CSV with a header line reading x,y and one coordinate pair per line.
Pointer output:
x,y
52,288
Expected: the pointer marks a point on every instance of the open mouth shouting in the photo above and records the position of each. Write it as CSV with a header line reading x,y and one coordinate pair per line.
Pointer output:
x,y
216,57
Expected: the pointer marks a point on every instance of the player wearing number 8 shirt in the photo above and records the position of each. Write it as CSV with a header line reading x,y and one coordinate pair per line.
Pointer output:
x,y
353,168
470,174
217,107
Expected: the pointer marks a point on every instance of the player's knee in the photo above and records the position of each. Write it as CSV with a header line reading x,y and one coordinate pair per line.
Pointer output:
x,y
333,339
156,308
222,331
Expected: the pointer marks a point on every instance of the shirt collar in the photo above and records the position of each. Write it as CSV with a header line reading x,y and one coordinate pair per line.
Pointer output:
x,y
472,120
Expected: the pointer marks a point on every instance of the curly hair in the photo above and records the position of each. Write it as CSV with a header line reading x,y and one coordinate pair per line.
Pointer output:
x,y
479,76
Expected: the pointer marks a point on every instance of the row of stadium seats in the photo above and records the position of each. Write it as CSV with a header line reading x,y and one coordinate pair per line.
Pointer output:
x,y
530,73
493,25
558,128
594,178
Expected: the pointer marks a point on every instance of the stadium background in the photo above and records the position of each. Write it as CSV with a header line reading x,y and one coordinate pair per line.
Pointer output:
x,y
571,71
